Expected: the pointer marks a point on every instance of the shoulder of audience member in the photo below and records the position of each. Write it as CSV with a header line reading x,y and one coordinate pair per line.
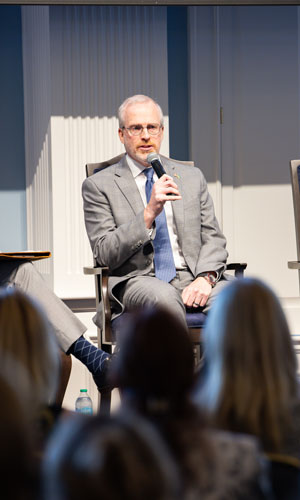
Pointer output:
x,y
237,466
239,455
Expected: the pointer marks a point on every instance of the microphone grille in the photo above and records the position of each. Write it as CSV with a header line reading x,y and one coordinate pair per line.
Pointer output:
x,y
153,156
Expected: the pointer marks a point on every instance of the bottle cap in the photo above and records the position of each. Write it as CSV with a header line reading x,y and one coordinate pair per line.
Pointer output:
x,y
83,390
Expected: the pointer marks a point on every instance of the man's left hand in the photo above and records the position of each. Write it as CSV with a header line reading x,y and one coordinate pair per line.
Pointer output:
x,y
196,293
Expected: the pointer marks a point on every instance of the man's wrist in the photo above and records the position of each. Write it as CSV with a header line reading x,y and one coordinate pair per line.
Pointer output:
x,y
148,218
212,277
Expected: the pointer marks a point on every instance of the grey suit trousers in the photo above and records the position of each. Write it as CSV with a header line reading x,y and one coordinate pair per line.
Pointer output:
x,y
66,326
148,290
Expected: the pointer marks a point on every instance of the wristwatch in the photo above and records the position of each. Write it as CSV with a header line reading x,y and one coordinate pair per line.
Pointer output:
x,y
212,277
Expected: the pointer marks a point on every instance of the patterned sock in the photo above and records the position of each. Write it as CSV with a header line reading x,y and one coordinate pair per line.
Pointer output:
x,y
89,355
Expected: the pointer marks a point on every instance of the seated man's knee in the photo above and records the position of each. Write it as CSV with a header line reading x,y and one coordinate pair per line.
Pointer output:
x,y
163,295
27,277
13,271
171,300
27,267
154,293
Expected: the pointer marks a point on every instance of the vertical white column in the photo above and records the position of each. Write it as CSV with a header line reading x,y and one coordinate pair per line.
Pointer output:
x,y
37,113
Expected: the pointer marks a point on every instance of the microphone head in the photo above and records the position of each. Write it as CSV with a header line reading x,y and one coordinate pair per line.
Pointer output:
x,y
153,156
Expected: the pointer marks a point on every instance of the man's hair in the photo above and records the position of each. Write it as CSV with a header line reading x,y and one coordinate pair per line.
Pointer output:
x,y
136,99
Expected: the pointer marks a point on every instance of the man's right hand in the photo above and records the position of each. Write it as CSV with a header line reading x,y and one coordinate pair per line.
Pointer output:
x,y
164,189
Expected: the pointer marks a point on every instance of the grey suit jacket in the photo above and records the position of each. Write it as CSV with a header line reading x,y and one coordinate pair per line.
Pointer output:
x,y
114,219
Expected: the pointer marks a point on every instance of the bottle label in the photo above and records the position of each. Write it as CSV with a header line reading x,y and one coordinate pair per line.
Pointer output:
x,y
87,410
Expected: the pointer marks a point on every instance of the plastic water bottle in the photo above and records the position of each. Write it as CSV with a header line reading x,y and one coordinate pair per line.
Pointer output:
x,y
83,403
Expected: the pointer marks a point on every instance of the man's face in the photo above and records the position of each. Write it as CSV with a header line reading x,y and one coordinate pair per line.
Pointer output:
x,y
138,147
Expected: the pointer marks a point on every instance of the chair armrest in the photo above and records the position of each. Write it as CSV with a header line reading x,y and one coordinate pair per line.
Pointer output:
x,y
94,270
238,268
294,264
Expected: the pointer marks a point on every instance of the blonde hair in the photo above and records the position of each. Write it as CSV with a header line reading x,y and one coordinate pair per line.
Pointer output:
x,y
136,99
28,349
251,381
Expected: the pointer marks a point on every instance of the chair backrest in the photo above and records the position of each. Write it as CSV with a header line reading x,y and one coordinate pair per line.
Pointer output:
x,y
93,168
284,474
295,178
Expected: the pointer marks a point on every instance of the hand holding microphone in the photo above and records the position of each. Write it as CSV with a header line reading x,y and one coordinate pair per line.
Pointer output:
x,y
163,190
154,160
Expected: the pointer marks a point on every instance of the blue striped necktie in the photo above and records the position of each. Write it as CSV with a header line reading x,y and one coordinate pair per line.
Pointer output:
x,y
163,256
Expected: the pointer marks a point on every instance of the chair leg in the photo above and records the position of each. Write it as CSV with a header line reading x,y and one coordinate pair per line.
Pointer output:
x,y
195,338
197,354
105,403
65,371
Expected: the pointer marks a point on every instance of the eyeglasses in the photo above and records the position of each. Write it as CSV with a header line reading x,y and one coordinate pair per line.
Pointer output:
x,y
152,129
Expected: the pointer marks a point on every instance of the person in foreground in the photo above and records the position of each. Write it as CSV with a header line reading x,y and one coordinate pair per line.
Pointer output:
x,y
159,237
154,371
67,328
17,466
30,360
108,458
249,381
28,350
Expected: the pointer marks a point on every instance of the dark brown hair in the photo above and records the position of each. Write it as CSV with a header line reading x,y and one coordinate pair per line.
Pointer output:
x,y
155,362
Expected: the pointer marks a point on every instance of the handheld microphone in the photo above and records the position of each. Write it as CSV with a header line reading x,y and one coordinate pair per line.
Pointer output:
x,y
154,159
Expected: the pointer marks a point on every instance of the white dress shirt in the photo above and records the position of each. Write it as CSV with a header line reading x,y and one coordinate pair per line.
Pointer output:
x,y
140,179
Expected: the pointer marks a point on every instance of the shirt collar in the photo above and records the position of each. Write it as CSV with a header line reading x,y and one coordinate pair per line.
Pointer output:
x,y
135,167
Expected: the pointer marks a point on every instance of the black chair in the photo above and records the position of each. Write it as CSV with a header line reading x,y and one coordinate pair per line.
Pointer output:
x,y
295,180
107,337
284,476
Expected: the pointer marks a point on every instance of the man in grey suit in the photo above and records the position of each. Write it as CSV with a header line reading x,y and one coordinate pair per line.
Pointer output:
x,y
122,217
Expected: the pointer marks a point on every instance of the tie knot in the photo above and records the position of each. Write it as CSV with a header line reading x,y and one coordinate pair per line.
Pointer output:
x,y
149,173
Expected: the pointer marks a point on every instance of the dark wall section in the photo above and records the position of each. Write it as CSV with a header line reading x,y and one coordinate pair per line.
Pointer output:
x,y
178,82
12,157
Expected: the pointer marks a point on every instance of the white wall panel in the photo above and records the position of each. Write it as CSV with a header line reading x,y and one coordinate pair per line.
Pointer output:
x,y
97,57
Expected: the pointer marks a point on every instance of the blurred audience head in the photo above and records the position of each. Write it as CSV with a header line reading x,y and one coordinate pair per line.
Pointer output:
x,y
155,366
28,349
16,456
249,382
108,458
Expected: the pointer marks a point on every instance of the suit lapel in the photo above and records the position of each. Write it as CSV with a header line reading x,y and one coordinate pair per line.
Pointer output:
x,y
127,185
177,206
124,179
